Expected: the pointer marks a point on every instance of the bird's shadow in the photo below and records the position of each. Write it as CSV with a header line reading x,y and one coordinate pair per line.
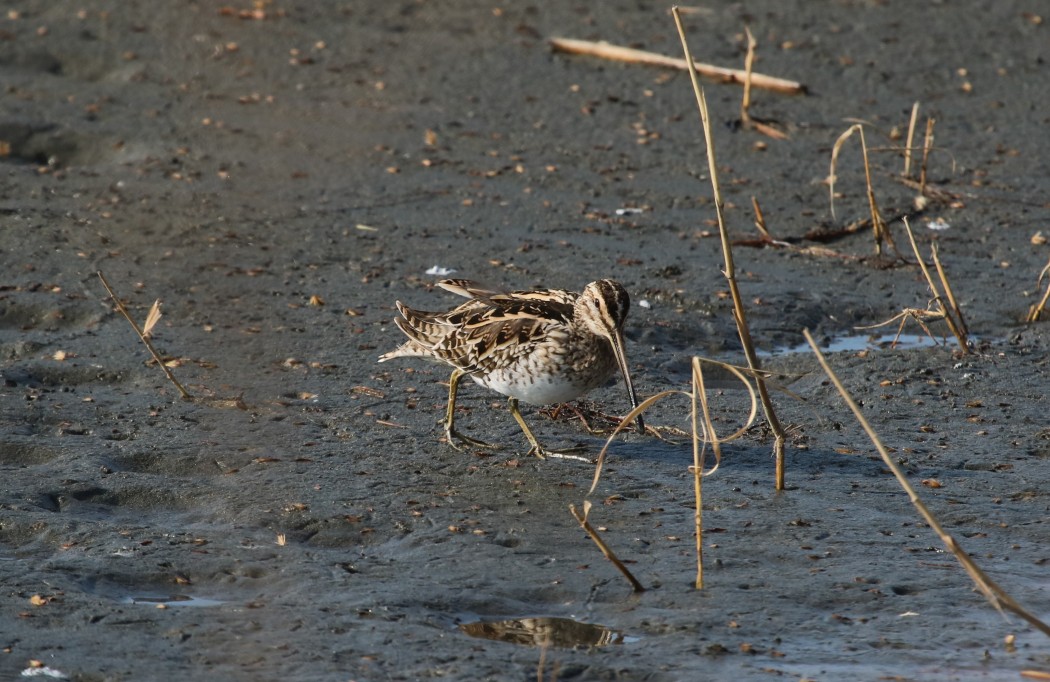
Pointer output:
x,y
748,458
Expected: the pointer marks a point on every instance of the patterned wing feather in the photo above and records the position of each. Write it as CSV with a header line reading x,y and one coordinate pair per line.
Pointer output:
x,y
490,331
483,334
466,288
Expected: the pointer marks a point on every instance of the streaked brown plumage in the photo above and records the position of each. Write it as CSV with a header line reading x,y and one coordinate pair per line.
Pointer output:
x,y
540,346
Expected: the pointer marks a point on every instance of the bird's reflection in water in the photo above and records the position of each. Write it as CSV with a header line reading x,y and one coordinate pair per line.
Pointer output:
x,y
564,633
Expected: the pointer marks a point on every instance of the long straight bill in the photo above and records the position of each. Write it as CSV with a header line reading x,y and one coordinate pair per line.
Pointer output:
x,y
621,359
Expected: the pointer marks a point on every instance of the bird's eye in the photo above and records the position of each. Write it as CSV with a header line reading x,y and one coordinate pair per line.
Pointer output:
x,y
597,304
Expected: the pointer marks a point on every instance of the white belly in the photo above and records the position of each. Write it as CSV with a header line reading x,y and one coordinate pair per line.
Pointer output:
x,y
550,375
541,392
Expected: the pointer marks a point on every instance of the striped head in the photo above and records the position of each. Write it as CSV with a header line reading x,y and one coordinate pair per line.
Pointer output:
x,y
602,310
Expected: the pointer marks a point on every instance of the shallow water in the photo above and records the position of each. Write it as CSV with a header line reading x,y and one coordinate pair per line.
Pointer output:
x,y
859,342
173,600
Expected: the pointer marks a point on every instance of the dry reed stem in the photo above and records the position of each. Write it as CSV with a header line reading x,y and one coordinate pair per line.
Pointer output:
x,y
749,62
144,336
927,145
956,310
1035,312
745,104
699,394
730,272
703,435
880,231
995,594
741,374
949,319
698,484
642,407
606,550
911,138
605,50
760,220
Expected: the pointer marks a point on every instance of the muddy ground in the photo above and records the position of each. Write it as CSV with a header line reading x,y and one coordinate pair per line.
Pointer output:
x,y
279,180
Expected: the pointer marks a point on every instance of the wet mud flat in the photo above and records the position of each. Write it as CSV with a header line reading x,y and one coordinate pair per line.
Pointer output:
x,y
279,176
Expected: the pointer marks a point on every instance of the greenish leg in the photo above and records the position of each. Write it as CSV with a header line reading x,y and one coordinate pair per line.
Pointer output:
x,y
536,448
451,435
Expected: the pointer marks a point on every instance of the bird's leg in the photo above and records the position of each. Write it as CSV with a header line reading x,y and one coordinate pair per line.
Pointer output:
x,y
451,435
536,448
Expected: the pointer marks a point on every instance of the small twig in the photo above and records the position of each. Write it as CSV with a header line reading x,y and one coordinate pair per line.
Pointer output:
x,y
606,550
995,594
760,220
749,62
145,339
927,145
911,138
937,193
627,54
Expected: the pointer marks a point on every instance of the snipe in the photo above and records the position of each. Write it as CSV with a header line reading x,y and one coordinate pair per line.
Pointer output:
x,y
540,346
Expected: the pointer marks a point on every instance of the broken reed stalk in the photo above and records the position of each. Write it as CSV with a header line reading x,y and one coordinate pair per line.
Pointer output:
x,y
910,140
956,310
145,339
880,231
730,271
927,145
760,220
995,594
605,50
749,62
606,550
1035,312
700,395
745,104
950,319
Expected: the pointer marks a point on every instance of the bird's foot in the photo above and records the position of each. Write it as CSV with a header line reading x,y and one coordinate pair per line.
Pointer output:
x,y
567,453
452,436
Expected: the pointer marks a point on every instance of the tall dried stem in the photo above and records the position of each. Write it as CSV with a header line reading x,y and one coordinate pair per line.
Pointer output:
x,y
995,594
730,270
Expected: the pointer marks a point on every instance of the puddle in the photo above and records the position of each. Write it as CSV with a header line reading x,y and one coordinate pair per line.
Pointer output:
x,y
865,342
563,633
147,593
173,600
